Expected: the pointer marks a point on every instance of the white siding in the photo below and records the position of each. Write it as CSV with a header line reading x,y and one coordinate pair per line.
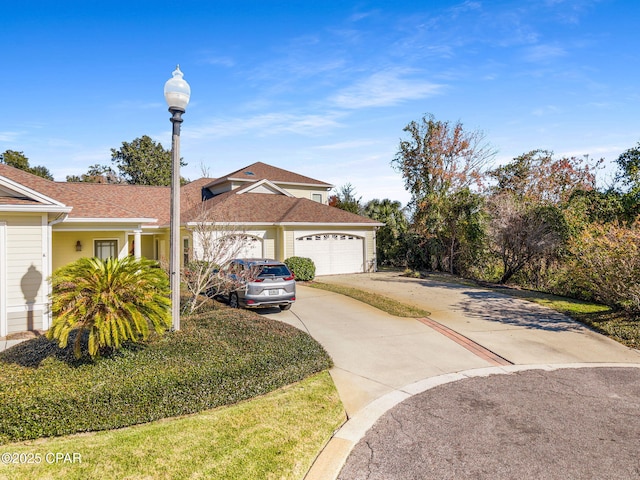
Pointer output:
x,y
25,271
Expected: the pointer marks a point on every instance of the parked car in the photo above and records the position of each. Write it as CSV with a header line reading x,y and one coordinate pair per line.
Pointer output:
x,y
260,282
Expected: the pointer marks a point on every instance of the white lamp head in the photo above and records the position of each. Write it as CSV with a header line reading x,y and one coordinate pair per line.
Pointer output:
x,y
177,91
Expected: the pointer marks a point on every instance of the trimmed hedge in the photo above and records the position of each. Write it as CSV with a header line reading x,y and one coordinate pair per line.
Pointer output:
x,y
303,268
219,357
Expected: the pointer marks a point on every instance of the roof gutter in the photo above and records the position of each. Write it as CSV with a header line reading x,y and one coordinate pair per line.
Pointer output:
x,y
60,218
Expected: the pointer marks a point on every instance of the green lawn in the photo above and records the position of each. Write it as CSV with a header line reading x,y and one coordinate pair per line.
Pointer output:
x,y
274,436
386,304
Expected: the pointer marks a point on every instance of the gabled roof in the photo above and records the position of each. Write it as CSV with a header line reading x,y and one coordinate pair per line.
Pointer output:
x,y
261,171
252,208
151,205
98,200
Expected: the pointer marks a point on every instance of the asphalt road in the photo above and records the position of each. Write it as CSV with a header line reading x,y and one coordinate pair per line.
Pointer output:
x,y
564,424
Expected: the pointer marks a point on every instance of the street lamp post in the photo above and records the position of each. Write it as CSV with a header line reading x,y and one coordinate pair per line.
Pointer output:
x,y
176,93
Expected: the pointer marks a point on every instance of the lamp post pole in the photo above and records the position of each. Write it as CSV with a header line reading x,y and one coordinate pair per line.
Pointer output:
x,y
177,93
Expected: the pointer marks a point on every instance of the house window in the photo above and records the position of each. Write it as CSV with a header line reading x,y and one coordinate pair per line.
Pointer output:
x,y
105,249
316,197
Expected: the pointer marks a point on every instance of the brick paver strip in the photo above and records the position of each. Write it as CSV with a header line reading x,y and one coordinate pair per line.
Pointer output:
x,y
473,347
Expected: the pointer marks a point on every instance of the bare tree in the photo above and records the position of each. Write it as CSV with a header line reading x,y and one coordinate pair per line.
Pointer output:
x,y
522,234
213,246
440,157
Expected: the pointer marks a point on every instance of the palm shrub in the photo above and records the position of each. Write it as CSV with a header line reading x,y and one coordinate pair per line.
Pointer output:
x,y
109,301
303,268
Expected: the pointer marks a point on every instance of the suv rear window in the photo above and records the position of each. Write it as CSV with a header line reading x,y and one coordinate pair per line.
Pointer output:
x,y
275,270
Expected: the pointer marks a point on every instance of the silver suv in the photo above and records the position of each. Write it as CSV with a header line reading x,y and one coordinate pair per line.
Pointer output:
x,y
260,282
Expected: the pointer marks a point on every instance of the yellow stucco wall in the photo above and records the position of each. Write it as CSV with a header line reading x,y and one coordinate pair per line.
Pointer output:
x,y
64,245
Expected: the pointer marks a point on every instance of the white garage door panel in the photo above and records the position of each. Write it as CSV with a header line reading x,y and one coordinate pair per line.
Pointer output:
x,y
251,248
332,253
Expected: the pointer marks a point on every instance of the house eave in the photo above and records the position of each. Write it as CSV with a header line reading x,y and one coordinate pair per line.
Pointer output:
x,y
28,192
36,208
288,224
136,221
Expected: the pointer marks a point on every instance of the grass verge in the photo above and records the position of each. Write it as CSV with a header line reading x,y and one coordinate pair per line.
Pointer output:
x,y
275,436
386,304
617,325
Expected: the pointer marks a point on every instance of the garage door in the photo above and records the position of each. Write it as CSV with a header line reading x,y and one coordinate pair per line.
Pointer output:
x,y
251,248
332,253
238,246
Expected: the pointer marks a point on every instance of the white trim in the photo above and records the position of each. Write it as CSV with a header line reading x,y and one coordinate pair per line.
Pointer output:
x,y
45,288
263,182
3,280
35,208
110,220
248,179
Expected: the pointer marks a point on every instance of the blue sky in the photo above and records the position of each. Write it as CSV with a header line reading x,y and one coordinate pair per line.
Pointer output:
x,y
323,88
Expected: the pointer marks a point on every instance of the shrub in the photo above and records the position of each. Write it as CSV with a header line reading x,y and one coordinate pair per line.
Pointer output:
x,y
303,268
606,265
218,358
113,301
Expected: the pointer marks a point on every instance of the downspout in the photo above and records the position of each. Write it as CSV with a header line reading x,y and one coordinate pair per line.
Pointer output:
x,y
283,244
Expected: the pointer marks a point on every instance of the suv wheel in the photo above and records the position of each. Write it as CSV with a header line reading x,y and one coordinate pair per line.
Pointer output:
x,y
286,306
233,300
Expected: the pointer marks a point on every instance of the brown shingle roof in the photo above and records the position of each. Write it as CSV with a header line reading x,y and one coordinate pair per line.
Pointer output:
x,y
231,207
17,201
261,171
98,200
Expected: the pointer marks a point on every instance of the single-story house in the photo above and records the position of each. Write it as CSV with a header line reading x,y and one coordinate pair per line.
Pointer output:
x,y
279,214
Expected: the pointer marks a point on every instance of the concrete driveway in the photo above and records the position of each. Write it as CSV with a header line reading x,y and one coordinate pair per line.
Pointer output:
x,y
382,362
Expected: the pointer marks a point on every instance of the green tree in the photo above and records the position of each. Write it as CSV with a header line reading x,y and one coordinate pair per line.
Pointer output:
x,y
390,213
536,176
454,224
629,168
19,160
345,199
629,175
143,162
97,174
586,207
112,301
440,163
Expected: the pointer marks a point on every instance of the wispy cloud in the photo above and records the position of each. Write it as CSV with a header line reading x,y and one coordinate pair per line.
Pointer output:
x,y
346,145
222,61
9,136
546,110
543,53
266,125
384,89
136,105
